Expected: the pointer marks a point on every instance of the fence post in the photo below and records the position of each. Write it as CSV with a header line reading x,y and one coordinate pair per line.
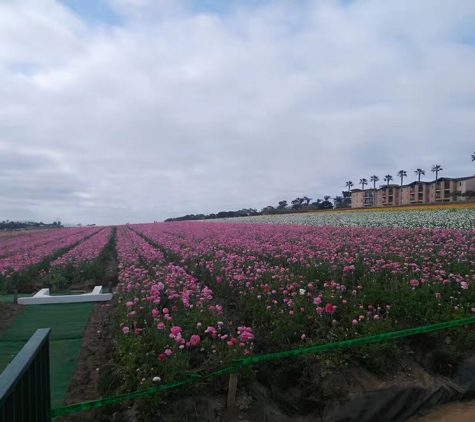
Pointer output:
x,y
15,296
232,389
110,287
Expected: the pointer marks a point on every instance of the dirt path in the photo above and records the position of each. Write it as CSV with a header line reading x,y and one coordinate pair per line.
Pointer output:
x,y
96,352
455,412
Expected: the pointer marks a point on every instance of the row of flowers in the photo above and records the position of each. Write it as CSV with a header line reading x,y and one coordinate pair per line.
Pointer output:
x,y
169,320
23,252
434,218
86,251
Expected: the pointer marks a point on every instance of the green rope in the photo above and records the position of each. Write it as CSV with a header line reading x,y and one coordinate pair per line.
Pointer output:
x,y
237,363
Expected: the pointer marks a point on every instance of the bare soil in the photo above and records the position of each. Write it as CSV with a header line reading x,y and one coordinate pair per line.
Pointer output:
x,y
455,412
96,351
9,312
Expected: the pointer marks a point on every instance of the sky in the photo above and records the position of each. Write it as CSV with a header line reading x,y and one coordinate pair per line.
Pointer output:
x,y
129,111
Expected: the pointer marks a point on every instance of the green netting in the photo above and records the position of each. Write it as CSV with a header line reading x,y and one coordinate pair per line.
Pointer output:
x,y
237,363
68,323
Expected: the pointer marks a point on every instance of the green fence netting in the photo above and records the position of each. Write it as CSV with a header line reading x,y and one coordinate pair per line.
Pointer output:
x,y
237,363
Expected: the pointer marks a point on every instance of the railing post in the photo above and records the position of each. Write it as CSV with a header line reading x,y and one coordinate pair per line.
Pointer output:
x,y
25,394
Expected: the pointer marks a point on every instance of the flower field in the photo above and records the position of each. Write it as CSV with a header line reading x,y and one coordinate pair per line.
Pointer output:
x,y
459,218
22,256
193,296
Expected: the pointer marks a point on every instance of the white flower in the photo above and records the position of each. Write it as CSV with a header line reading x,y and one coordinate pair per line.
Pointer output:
x,y
302,292
156,379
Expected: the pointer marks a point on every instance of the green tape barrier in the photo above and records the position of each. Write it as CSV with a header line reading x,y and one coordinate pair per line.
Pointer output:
x,y
237,363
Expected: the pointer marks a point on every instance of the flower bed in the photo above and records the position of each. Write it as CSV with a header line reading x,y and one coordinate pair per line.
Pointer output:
x,y
184,293
24,256
170,322
434,218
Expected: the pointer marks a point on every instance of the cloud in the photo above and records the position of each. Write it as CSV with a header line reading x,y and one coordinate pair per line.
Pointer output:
x,y
184,109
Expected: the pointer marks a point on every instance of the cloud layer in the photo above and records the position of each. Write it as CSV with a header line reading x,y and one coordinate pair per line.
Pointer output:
x,y
184,109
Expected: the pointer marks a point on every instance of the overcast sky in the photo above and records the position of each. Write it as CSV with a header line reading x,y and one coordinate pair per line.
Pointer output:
x,y
115,111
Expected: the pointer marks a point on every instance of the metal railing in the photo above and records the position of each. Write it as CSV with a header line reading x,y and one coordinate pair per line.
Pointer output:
x,y
25,394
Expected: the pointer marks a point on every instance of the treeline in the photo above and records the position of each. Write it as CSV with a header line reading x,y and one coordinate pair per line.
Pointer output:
x,y
303,204
21,225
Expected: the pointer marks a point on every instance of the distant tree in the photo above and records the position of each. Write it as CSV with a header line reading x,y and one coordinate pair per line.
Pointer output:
x,y
326,197
307,200
282,205
374,179
436,168
473,156
419,172
363,182
349,185
402,174
338,201
387,179
297,203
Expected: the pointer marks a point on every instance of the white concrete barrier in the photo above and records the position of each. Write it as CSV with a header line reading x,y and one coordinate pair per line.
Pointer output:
x,y
43,297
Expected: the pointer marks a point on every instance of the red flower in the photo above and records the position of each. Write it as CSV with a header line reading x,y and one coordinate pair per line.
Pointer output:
x,y
329,309
161,356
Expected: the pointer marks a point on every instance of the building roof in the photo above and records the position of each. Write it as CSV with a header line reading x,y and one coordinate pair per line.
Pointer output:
x,y
393,185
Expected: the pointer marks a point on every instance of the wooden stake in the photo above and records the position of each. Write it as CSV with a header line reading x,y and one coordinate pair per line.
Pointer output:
x,y
15,296
232,389
110,287
95,379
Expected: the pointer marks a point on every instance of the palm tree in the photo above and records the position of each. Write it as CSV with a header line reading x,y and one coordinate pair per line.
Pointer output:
x,y
435,169
349,185
473,156
420,172
307,200
387,179
402,174
374,179
363,182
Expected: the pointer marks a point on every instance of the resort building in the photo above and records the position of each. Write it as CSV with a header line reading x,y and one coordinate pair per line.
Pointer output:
x,y
445,189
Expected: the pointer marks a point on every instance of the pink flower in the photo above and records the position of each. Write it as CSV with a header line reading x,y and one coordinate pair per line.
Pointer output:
x,y
161,326
125,330
317,301
329,309
176,330
303,337
319,310
473,309
376,317
129,304
456,308
155,313
168,352
414,283
166,311
437,294
355,322
230,343
198,325
344,302
195,340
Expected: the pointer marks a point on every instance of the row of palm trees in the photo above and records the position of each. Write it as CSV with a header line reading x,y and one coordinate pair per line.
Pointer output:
x,y
436,168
